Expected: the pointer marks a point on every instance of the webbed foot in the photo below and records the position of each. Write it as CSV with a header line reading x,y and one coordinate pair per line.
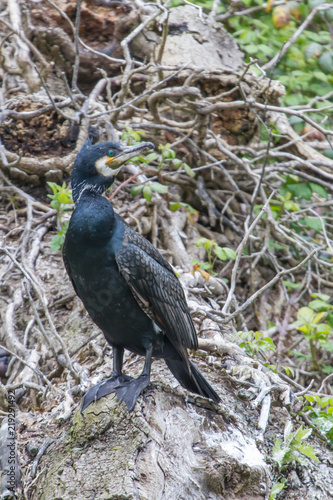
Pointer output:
x,y
131,390
112,384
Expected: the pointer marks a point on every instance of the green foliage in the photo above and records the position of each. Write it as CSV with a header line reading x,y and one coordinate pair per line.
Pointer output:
x,y
164,160
167,158
293,447
61,201
132,136
316,327
306,70
292,193
302,190
148,189
277,488
254,343
192,213
214,252
321,415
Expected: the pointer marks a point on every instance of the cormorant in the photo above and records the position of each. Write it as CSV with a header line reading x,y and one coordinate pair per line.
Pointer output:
x,y
130,291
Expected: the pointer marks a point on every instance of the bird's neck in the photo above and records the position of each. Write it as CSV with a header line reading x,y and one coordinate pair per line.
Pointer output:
x,y
94,188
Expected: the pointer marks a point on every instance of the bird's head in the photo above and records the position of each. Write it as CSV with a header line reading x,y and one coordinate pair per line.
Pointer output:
x,y
96,165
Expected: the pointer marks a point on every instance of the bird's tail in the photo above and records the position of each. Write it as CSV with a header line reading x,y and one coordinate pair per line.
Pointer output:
x,y
193,381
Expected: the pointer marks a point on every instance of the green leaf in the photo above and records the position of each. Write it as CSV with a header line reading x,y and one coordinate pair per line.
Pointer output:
x,y
174,205
279,453
328,153
277,488
152,156
313,223
200,242
301,435
220,252
188,170
250,49
302,189
136,190
268,343
147,192
325,63
320,76
291,286
321,296
306,315
318,304
63,198
158,188
289,370
308,451
313,50
316,188
327,369
231,254
176,162
57,242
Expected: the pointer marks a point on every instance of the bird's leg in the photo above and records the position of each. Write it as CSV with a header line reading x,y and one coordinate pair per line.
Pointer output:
x,y
130,392
117,380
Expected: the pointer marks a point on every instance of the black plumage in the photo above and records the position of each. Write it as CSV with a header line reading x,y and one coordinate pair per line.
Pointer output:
x,y
130,291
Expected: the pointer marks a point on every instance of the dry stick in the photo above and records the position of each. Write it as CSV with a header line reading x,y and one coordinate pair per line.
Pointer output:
x,y
3,157
246,12
27,385
33,49
84,128
39,322
141,96
64,15
39,455
35,370
11,337
76,42
326,379
328,243
295,36
239,252
27,115
42,299
244,105
129,61
74,119
270,284
196,7
304,391
302,162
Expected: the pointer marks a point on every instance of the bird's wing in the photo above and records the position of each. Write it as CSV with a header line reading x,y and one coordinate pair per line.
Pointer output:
x,y
68,269
158,293
133,237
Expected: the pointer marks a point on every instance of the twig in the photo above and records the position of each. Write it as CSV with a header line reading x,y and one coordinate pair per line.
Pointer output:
x,y
35,370
76,43
239,252
295,36
270,284
39,455
37,289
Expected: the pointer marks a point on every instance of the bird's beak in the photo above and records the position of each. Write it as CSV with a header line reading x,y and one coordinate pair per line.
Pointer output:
x,y
127,153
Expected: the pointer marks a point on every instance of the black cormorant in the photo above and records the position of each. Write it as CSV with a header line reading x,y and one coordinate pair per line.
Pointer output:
x,y
130,291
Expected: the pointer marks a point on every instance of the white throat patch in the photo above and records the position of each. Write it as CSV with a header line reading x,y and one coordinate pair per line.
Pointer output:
x,y
103,169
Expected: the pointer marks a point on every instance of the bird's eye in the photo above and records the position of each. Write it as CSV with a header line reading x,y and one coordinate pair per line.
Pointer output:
x,y
110,154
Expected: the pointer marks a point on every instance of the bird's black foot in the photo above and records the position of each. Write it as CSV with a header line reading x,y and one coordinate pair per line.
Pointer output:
x,y
112,384
131,390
